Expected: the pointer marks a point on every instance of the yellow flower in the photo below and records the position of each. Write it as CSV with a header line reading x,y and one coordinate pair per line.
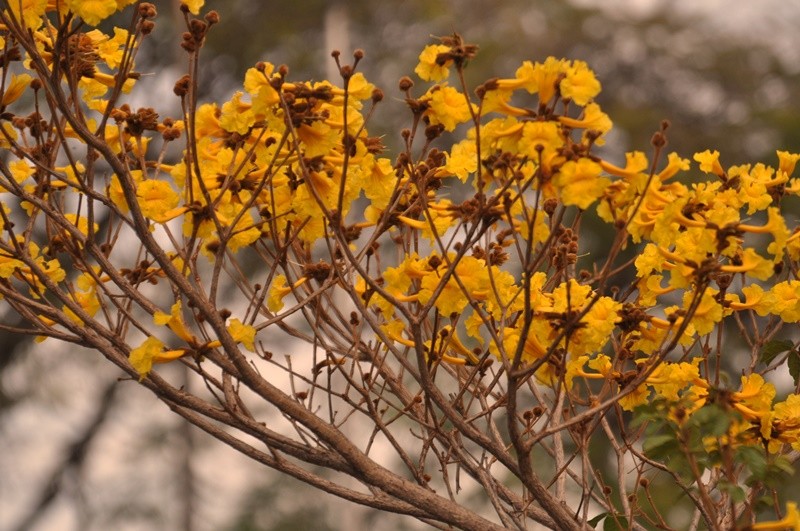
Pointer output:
x,y
776,226
193,5
448,107
142,356
111,49
279,290
82,224
453,344
575,368
318,138
263,95
157,200
753,264
649,289
674,164
541,139
541,77
580,84
533,348
580,183
9,265
32,12
237,116
755,184
85,299
92,11
636,398
20,170
602,364
472,273
649,260
428,68
150,352
397,281
495,100
786,300
670,378
635,163
377,179
8,132
709,162
787,162
174,320
784,425
207,122
358,88
593,118
242,333
598,325
707,313
789,522
755,398
462,159
15,87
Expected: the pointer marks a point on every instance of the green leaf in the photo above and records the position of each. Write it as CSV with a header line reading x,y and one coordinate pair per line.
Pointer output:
x,y
596,520
754,459
764,503
773,348
794,365
783,464
777,472
652,412
660,446
615,523
736,492
678,463
711,420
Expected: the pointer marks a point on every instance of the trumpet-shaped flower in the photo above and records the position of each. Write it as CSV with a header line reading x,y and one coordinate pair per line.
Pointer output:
x,y
242,333
15,87
28,12
579,84
448,106
580,182
142,356
194,6
429,67
92,11
157,200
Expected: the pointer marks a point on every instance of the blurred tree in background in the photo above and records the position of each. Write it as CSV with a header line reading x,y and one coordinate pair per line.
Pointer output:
x,y
77,454
716,71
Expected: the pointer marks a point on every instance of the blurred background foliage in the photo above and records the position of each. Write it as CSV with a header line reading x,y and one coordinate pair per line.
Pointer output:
x,y
725,74
80,452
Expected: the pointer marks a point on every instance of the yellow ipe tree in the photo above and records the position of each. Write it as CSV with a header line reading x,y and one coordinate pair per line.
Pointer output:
x,y
413,332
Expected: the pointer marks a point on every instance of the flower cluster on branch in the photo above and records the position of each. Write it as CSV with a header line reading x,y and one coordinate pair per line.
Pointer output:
x,y
444,295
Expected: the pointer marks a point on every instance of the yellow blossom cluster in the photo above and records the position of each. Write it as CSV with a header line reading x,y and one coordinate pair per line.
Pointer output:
x,y
486,230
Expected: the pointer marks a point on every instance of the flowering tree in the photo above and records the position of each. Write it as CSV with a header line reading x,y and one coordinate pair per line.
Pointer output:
x,y
458,363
